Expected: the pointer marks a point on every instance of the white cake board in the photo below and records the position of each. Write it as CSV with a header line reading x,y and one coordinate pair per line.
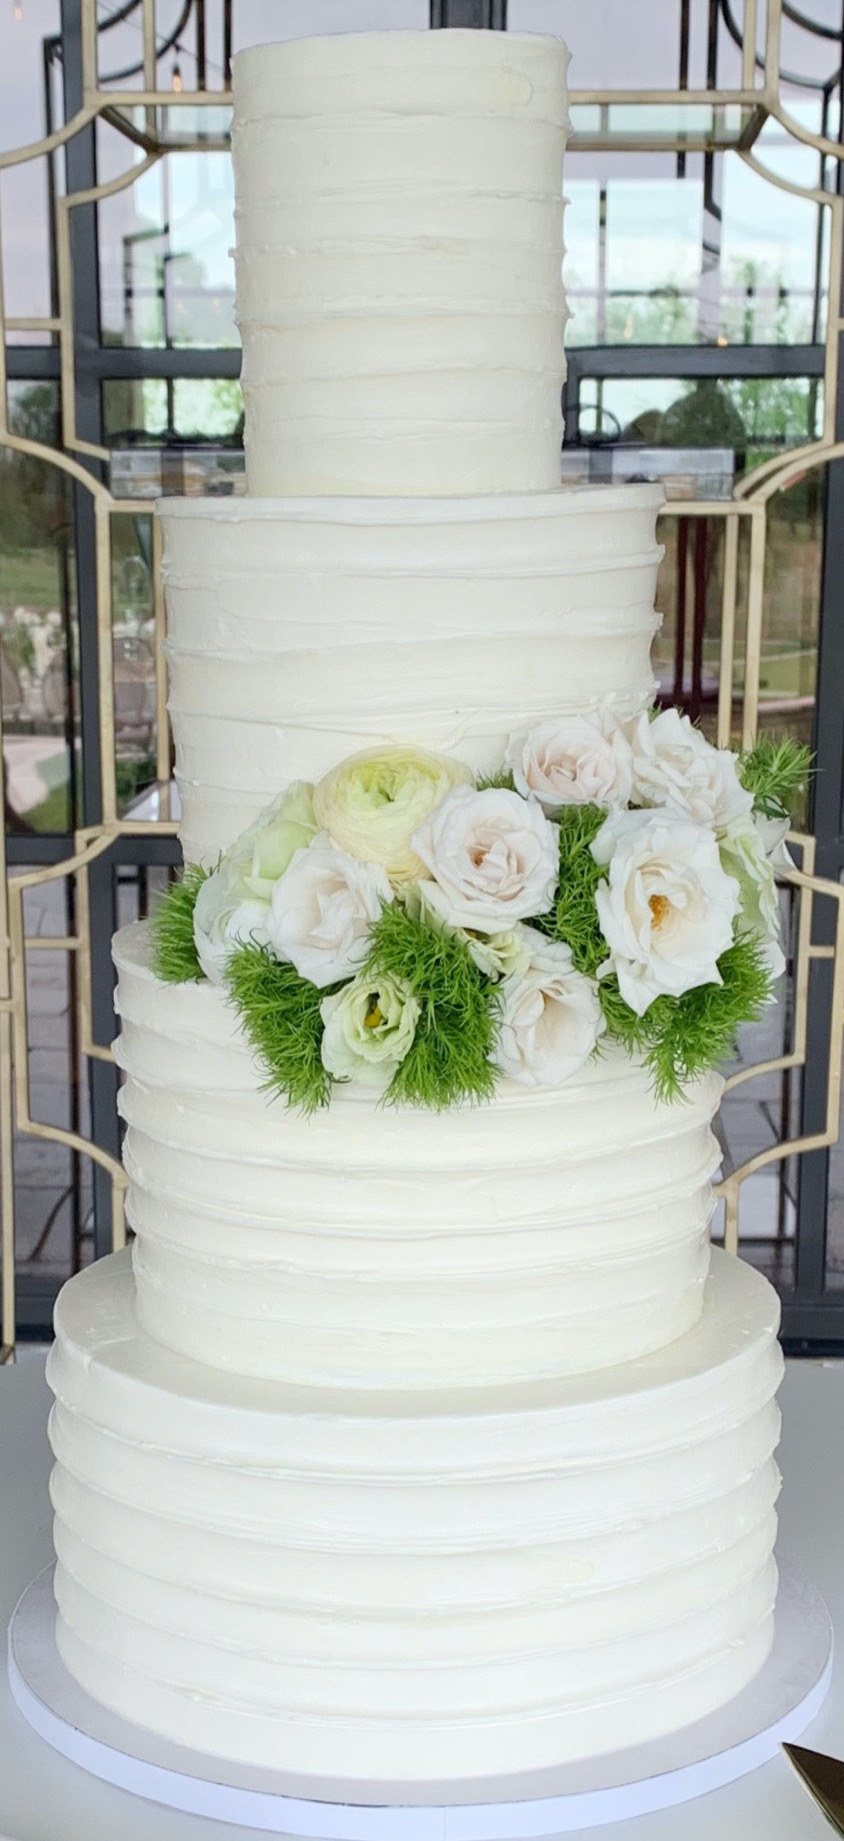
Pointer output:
x,y
777,1706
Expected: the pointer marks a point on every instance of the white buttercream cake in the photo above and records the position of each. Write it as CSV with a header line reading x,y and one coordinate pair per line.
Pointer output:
x,y
405,1445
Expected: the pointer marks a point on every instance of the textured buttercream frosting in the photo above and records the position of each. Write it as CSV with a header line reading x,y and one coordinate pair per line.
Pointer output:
x,y
549,1232
399,261
415,1446
384,1585
302,630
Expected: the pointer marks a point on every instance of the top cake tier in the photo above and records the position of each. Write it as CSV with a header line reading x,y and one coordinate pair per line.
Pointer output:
x,y
399,256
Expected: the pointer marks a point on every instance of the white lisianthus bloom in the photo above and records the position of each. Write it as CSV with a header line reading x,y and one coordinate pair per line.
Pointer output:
x,y
496,955
493,857
225,915
744,857
321,911
773,833
550,1018
262,853
373,802
667,906
369,1027
573,760
676,767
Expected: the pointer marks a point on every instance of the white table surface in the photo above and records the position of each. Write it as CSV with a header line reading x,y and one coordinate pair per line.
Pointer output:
x,y
43,1798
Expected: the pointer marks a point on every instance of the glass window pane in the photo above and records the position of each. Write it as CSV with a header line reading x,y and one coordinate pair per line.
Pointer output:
x,y
178,409
719,254
134,657
259,22
166,273
26,241
22,115
609,48
37,620
741,421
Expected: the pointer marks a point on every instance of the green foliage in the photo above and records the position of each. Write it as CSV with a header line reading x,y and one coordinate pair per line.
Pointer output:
x,y
682,1037
174,956
574,916
281,1018
449,1057
496,782
775,772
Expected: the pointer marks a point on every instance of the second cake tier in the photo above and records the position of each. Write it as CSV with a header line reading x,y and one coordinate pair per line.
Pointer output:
x,y
302,630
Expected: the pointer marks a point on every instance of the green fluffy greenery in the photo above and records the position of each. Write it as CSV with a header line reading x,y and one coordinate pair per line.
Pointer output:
x,y
775,772
574,916
174,955
448,1060
280,1015
681,1037
497,782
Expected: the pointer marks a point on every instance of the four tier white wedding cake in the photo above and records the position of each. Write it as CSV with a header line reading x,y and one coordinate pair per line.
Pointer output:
x,y
405,1444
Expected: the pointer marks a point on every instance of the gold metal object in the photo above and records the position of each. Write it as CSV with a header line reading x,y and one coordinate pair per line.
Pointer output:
x,y
149,119
824,1780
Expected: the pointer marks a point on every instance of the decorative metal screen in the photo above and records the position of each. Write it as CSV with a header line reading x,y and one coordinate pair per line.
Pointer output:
x,y
120,383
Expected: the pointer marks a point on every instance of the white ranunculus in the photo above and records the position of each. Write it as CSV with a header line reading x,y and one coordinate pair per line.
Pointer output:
x,y
744,857
493,857
667,907
550,1017
495,954
371,804
321,911
262,853
573,760
226,916
369,1027
676,767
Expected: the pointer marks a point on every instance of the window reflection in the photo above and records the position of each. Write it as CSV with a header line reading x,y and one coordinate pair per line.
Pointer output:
x,y
37,621
716,255
166,273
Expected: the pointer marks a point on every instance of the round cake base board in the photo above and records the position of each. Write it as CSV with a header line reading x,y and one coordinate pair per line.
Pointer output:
x,y
776,1707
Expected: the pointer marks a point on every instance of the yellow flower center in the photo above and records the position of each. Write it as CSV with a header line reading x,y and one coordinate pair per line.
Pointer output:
x,y
373,1015
660,908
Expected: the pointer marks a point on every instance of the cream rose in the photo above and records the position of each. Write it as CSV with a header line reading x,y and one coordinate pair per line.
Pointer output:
x,y
262,853
743,856
573,760
321,911
676,767
496,955
550,1017
667,907
225,915
493,857
373,802
369,1027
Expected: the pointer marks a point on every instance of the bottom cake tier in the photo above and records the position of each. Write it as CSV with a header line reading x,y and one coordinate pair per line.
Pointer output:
x,y
375,1585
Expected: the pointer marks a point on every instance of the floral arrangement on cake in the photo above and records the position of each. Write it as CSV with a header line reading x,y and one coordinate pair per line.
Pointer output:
x,y
422,932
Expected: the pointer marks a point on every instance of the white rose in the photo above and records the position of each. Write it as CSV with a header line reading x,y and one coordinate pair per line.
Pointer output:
x,y
225,916
493,856
369,1027
573,760
262,853
743,856
372,803
496,955
321,911
676,767
550,1017
667,907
